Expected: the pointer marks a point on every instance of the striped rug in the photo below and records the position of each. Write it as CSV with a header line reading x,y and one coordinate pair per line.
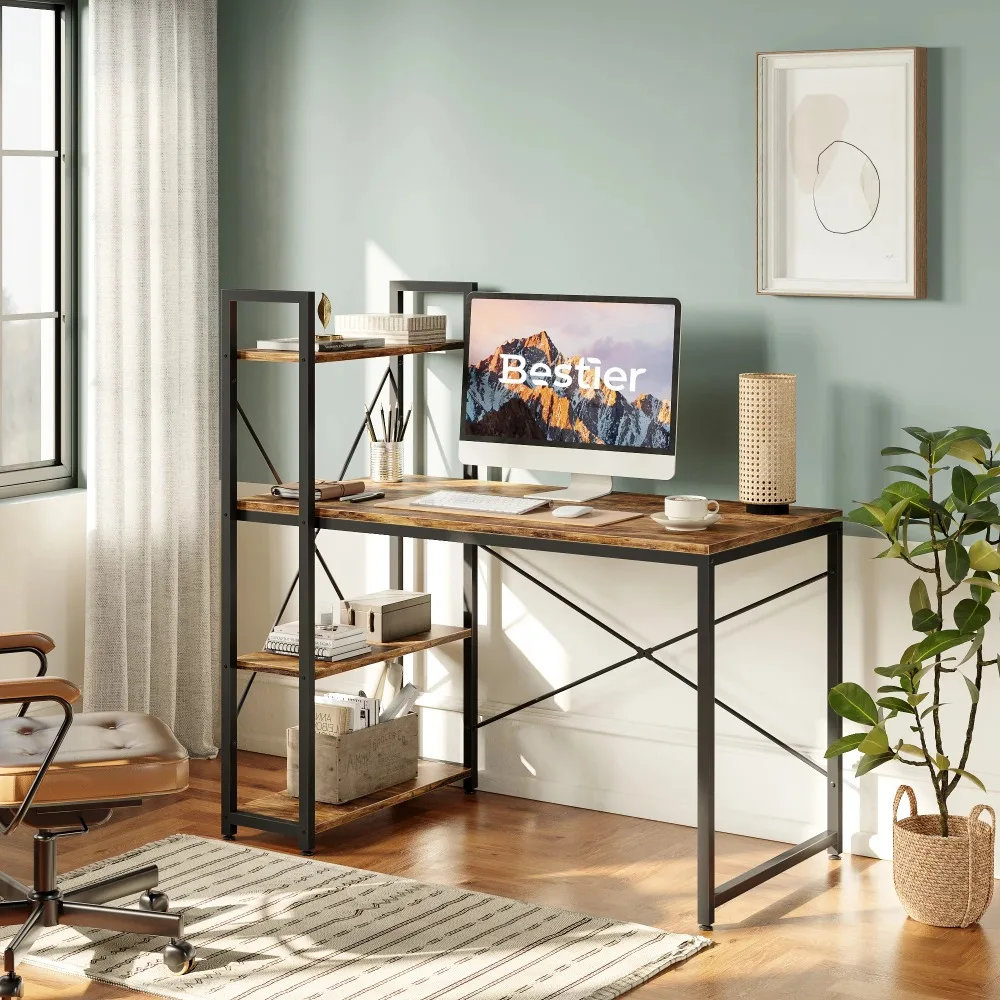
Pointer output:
x,y
272,925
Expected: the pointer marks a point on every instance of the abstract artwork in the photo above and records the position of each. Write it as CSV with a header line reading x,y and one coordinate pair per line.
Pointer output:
x,y
841,185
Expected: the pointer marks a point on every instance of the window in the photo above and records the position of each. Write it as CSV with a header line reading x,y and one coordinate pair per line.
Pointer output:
x,y
37,242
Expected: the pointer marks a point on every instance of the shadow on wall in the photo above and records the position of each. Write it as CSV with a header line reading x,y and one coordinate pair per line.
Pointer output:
x,y
714,351
863,422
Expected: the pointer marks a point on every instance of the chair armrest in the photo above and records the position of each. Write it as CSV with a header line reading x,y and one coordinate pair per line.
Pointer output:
x,y
32,689
28,642
38,689
20,642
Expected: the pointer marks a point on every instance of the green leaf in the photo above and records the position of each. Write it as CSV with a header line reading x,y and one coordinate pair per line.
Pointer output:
x,y
919,675
904,490
941,762
907,470
963,484
913,751
937,642
895,551
896,705
982,586
976,434
875,742
876,512
869,762
920,599
970,776
987,486
896,450
956,560
854,703
971,616
894,513
968,451
845,744
924,547
983,556
926,620
860,516
930,708
973,690
977,641
916,699
890,689
919,433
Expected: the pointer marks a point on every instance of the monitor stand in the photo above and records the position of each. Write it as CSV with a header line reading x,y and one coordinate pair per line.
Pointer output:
x,y
581,488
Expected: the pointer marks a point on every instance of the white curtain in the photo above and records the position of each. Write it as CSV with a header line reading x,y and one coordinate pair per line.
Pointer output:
x,y
152,556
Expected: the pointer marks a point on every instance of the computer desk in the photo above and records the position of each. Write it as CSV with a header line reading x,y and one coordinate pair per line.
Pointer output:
x,y
736,536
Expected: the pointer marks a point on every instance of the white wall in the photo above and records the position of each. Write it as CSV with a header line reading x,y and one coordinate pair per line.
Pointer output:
x,y
42,578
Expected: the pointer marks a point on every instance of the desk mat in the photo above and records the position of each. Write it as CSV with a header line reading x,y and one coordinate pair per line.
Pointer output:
x,y
596,519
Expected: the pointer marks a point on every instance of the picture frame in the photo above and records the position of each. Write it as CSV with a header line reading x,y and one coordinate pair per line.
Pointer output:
x,y
842,173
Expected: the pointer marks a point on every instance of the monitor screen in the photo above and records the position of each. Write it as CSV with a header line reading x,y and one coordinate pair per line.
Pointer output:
x,y
571,372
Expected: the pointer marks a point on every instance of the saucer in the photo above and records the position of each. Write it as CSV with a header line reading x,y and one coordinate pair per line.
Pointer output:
x,y
685,524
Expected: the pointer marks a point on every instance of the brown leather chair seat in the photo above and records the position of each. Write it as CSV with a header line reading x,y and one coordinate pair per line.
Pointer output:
x,y
106,756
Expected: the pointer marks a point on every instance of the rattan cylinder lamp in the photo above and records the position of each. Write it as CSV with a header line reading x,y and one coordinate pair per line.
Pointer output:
x,y
767,442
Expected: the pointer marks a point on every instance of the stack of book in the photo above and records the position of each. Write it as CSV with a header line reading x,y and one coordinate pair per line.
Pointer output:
x,y
396,329
325,343
333,642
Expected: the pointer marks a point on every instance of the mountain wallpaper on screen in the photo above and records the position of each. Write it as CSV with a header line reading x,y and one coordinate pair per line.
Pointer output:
x,y
572,415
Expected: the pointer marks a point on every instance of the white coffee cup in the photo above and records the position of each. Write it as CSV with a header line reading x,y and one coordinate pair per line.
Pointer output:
x,y
689,508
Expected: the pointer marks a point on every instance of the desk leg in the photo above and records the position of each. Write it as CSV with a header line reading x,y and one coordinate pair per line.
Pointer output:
x,y
706,745
470,667
834,675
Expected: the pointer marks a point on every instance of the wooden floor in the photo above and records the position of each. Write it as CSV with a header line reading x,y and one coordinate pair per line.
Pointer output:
x,y
824,929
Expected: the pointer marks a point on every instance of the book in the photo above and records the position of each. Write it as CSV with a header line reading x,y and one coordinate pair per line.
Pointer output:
x,y
388,323
324,344
364,709
290,647
326,489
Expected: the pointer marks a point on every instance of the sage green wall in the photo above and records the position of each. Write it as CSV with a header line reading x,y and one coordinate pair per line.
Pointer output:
x,y
604,146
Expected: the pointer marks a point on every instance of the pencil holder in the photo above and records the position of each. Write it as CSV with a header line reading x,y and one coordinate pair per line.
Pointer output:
x,y
386,461
767,442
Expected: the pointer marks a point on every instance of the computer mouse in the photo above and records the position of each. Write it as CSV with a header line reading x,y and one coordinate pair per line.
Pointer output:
x,y
572,510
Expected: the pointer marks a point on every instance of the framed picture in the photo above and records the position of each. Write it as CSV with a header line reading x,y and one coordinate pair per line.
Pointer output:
x,y
841,173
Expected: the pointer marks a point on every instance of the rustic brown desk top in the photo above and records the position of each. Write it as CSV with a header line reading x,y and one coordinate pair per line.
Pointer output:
x,y
735,529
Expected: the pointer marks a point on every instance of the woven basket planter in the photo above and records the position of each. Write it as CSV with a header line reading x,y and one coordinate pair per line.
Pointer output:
x,y
944,881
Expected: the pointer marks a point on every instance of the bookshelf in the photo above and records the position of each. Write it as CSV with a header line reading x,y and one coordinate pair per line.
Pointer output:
x,y
303,818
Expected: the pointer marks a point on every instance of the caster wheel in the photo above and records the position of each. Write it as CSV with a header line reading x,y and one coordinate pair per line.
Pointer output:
x,y
153,899
11,986
704,927
179,957
834,857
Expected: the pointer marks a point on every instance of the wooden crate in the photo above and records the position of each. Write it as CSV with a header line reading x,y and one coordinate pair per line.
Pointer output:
x,y
354,764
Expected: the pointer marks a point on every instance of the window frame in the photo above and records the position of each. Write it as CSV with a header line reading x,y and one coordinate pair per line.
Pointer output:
x,y
62,473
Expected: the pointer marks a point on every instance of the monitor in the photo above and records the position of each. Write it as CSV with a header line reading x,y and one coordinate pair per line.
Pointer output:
x,y
571,383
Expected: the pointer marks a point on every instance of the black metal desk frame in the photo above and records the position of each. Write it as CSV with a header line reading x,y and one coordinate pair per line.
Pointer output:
x,y
309,522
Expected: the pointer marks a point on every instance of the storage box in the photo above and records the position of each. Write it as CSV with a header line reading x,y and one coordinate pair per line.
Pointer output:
x,y
389,614
354,764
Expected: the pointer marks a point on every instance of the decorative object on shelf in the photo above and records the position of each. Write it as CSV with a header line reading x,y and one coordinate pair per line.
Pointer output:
x,y
389,615
324,310
395,328
944,881
841,173
931,849
360,762
332,719
767,442
325,344
689,508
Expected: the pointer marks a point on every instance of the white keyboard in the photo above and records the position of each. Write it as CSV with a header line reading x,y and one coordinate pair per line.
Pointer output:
x,y
480,503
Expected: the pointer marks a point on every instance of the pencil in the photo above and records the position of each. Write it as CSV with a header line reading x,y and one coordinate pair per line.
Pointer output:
x,y
406,423
385,433
368,423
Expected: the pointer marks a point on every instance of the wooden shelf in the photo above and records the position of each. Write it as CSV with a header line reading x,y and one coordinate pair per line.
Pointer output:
x,y
389,351
431,774
277,663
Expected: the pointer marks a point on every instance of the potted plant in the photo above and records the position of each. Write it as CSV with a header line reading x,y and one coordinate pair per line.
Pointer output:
x,y
942,864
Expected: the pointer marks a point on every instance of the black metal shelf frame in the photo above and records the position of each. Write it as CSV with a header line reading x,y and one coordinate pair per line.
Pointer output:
x,y
310,522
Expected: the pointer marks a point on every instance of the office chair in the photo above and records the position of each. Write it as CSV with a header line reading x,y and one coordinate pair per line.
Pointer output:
x,y
62,775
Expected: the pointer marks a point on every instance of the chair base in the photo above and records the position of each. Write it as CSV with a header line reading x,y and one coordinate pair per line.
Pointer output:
x,y
44,905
